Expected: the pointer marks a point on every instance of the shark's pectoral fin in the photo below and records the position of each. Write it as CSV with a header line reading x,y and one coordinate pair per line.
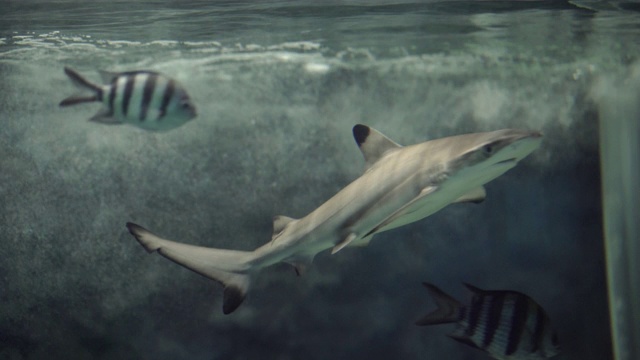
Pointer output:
x,y
403,215
341,245
475,196
372,143
362,242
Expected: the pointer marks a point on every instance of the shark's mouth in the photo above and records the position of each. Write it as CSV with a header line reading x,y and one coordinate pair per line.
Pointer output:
x,y
507,161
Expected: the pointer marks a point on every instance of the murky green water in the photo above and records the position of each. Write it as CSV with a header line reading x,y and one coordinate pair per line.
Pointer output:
x,y
278,87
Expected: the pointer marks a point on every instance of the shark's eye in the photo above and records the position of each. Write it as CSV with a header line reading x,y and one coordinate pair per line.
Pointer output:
x,y
487,149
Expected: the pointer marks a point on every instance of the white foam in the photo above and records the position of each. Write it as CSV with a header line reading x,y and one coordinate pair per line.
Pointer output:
x,y
122,43
202,43
163,43
296,45
254,47
317,68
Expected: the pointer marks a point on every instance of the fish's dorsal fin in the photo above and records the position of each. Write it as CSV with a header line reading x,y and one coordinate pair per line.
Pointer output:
x,y
475,196
372,143
448,308
108,76
475,289
279,223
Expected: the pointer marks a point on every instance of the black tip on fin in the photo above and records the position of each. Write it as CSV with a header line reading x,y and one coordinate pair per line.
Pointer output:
x,y
233,297
360,133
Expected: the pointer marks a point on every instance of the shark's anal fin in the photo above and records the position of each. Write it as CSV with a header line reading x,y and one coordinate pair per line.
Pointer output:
x,y
372,143
301,264
341,245
475,196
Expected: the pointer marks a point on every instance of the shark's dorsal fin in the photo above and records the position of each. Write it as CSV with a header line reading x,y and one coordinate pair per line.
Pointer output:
x,y
279,223
475,196
342,244
372,143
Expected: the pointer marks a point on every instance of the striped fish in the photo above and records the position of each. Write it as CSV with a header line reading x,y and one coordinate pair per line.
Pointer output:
x,y
145,99
505,324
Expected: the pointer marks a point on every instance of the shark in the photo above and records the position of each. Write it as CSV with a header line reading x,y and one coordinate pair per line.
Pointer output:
x,y
400,185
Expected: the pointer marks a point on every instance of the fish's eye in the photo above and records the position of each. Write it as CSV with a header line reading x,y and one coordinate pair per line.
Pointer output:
x,y
185,105
488,149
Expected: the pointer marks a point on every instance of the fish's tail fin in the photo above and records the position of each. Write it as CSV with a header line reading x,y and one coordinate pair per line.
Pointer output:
x,y
82,83
228,267
449,309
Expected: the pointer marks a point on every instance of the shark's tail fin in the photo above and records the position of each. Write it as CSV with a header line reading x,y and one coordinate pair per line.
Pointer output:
x,y
228,267
449,309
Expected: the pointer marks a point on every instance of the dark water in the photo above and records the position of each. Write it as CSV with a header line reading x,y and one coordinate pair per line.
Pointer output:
x,y
278,86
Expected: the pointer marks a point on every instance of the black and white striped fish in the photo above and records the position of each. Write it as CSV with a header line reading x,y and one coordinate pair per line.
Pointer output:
x,y
146,99
506,324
